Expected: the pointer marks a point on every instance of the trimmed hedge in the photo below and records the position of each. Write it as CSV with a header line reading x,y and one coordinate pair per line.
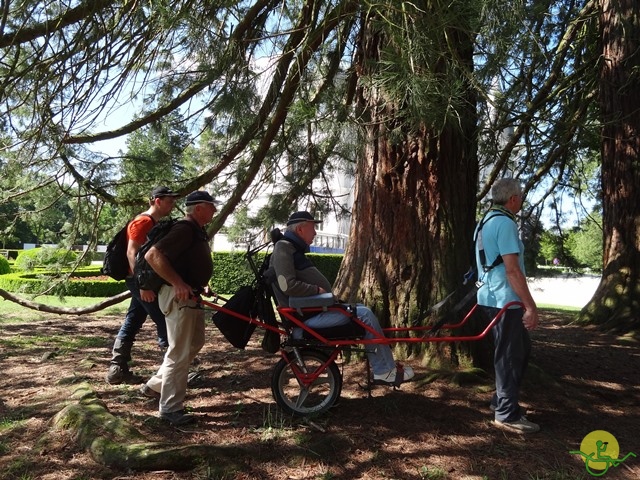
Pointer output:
x,y
36,282
230,271
38,257
5,267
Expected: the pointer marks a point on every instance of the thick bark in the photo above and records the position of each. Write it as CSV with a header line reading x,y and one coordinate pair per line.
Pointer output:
x,y
616,302
414,208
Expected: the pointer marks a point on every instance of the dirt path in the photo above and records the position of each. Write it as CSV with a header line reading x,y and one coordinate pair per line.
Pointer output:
x,y
580,381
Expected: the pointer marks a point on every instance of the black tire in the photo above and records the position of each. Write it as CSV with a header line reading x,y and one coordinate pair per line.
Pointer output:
x,y
292,397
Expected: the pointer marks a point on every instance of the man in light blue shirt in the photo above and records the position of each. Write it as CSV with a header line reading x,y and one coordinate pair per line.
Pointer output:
x,y
501,276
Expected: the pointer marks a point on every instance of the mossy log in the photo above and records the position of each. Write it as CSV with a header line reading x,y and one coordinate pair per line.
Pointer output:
x,y
114,443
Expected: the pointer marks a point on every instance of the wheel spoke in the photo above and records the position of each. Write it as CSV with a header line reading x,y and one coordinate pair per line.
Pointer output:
x,y
304,393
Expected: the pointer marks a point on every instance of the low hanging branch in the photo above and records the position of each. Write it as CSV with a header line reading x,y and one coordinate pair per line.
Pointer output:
x,y
41,307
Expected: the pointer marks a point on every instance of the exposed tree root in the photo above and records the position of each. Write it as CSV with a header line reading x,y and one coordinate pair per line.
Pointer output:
x,y
112,442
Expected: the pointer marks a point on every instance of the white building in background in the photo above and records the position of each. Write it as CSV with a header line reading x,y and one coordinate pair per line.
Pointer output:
x,y
333,232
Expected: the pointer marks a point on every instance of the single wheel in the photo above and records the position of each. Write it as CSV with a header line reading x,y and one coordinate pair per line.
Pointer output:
x,y
304,388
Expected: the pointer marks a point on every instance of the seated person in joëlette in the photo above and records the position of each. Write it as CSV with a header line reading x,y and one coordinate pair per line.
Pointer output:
x,y
296,276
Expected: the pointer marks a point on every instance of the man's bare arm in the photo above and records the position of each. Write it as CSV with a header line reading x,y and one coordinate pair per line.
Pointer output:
x,y
132,250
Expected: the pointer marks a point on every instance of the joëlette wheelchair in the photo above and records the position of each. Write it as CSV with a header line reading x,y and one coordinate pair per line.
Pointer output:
x,y
306,380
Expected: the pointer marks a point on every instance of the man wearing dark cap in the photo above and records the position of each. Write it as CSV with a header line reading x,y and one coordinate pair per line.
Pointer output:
x,y
183,259
143,302
296,276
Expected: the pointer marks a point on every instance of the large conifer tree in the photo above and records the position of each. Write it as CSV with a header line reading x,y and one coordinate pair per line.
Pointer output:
x,y
616,302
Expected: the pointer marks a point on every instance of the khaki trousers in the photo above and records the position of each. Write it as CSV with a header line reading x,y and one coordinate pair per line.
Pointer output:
x,y
186,335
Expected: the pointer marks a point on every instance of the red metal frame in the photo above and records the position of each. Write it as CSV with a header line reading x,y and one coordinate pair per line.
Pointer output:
x,y
306,379
291,315
291,318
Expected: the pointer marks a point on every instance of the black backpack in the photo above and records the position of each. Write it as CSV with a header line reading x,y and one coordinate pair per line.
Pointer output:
x,y
116,264
146,276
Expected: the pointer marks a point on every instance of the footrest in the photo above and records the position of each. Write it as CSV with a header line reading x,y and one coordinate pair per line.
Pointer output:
x,y
386,384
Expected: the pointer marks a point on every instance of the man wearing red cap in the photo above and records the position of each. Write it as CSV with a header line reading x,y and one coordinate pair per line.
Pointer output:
x,y
296,276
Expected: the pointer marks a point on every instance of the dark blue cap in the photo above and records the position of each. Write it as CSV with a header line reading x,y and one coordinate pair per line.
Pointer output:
x,y
300,217
200,196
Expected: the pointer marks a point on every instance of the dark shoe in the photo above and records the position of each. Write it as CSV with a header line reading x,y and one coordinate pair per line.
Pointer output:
x,y
178,418
148,392
521,425
117,375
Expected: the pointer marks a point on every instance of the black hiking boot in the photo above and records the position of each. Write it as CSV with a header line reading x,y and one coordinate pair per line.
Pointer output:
x,y
117,375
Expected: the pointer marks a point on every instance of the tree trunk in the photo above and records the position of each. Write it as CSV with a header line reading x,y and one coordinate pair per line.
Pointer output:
x,y
616,302
415,196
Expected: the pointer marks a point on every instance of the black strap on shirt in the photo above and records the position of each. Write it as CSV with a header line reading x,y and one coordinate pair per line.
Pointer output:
x,y
495,211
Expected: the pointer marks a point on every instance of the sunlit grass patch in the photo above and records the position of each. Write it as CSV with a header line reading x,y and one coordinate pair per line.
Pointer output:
x,y
11,422
60,343
432,473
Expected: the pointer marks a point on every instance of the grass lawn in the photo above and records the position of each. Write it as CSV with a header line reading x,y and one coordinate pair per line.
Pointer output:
x,y
558,308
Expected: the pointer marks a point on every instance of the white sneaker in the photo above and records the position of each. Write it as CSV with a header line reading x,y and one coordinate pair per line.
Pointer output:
x,y
390,376
521,426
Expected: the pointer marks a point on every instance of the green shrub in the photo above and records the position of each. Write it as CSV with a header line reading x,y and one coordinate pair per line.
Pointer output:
x,y
29,260
4,266
230,271
35,283
327,263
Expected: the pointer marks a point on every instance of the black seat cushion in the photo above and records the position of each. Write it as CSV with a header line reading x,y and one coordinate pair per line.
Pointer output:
x,y
341,332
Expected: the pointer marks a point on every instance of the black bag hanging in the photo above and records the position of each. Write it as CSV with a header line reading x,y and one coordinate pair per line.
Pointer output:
x,y
271,340
236,330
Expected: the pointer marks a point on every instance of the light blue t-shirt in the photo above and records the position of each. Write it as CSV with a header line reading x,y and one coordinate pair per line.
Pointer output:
x,y
499,236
